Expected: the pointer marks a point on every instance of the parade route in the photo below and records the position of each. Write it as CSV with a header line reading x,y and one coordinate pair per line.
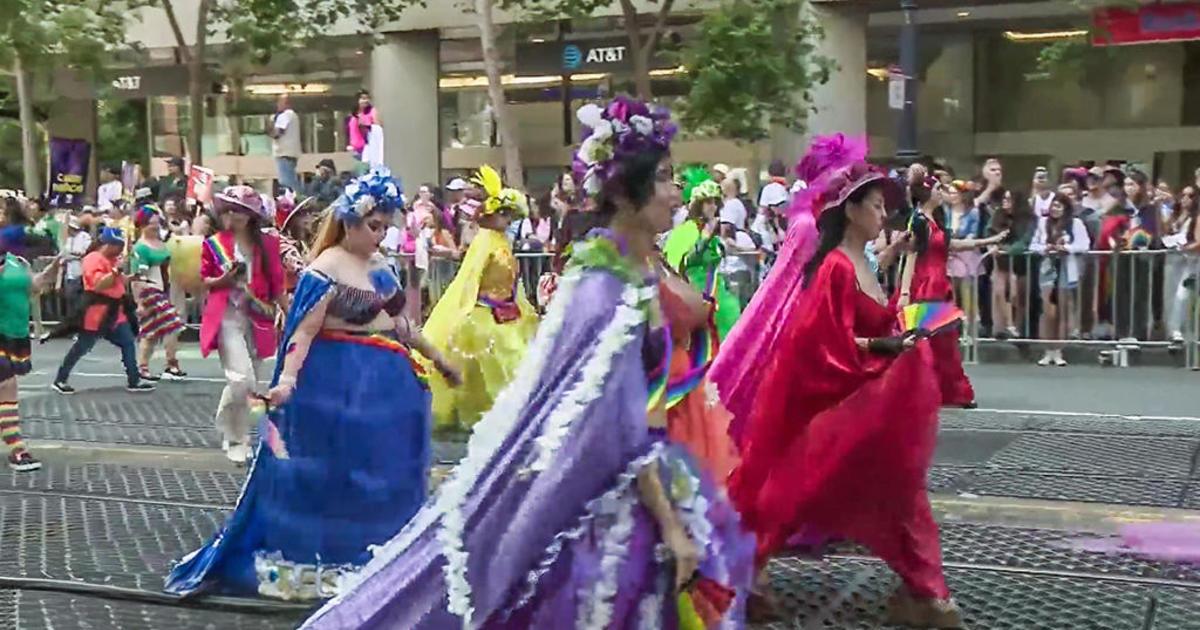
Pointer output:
x,y
132,483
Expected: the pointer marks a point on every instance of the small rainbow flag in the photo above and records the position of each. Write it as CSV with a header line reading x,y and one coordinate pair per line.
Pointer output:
x,y
929,317
260,409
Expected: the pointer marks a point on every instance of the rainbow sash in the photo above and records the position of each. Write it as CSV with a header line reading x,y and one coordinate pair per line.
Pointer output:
x,y
703,351
377,340
658,378
261,308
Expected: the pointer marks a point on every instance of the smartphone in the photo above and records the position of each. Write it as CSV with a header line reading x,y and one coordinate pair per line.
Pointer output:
x,y
238,268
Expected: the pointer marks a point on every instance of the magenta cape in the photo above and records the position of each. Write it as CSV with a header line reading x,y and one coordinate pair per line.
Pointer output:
x,y
746,352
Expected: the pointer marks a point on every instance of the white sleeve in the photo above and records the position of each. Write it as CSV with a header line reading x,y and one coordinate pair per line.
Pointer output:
x,y
284,120
1080,241
1038,244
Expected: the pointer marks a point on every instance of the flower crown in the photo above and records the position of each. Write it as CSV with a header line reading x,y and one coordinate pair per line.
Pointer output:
x,y
499,198
377,191
615,133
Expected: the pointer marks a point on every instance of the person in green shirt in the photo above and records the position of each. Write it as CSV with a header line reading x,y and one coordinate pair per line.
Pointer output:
x,y
17,285
159,321
694,249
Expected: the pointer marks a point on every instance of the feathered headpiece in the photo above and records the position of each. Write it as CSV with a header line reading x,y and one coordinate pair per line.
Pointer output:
x,y
377,191
499,198
825,157
613,134
144,213
693,177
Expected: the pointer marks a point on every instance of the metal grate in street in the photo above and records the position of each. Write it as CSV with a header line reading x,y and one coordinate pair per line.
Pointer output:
x,y
1151,491
114,433
1048,549
118,543
851,594
209,487
1108,425
1100,455
42,610
172,405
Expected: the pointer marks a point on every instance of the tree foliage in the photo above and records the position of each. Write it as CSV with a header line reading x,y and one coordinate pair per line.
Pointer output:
x,y
1076,59
263,29
753,64
73,33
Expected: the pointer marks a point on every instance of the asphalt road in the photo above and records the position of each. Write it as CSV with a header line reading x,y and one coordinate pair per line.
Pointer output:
x,y
134,482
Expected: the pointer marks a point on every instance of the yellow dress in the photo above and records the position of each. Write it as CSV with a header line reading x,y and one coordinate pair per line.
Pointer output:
x,y
464,326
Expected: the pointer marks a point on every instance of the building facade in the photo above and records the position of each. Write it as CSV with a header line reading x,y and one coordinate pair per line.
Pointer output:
x,y
980,92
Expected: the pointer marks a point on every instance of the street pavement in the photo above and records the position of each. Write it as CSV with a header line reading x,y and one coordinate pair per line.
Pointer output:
x,y
132,483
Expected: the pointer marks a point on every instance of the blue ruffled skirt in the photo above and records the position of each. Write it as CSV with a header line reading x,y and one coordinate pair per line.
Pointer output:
x,y
357,435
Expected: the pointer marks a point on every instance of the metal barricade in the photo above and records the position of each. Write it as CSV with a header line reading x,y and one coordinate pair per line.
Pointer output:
x,y
532,265
1124,300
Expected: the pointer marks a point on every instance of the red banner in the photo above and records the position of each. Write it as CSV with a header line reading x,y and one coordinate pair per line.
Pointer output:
x,y
1148,24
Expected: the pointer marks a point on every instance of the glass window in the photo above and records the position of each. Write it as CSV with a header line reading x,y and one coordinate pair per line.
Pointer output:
x,y
466,118
1122,87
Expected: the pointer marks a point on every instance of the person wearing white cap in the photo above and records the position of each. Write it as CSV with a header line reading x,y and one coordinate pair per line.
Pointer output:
x,y
766,223
733,211
719,172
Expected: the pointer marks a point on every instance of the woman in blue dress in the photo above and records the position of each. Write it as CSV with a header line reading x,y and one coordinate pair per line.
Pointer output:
x,y
344,457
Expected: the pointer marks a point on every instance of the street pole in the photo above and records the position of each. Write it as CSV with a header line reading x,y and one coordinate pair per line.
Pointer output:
x,y
906,136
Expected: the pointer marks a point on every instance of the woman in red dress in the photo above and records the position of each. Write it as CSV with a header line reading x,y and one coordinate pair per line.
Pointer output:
x,y
931,283
844,444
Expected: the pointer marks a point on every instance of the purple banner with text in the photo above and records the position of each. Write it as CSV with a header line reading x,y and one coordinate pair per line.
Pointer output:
x,y
68,171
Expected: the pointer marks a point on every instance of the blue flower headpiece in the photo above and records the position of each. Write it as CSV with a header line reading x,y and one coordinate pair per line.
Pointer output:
x,y
377,191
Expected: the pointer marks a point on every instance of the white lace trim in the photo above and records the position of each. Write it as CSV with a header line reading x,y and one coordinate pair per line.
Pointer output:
x,y
486,437
595,508
591,383
691,505
650,611
596,612
295,581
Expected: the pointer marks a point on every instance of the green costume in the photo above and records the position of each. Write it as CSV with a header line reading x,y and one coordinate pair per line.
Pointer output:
x,y
697,258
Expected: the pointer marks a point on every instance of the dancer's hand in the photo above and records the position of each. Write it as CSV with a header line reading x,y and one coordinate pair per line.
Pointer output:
x,y
450,373
687,556
281,393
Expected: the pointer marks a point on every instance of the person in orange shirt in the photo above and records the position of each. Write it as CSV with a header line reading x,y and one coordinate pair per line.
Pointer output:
x,y
107,313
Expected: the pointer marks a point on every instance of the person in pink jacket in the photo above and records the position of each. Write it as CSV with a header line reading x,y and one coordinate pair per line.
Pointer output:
x,y
242,272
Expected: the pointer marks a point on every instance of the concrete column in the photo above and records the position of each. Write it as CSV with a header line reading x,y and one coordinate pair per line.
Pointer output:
x,y
404,88
76,119
841,103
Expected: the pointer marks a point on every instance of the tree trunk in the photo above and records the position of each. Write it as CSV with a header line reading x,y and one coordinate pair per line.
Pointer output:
x,y
514,174
195,134
29,161
641,73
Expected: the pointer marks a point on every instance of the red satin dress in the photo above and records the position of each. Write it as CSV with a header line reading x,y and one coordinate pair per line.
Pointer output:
x,y
841,440
931,283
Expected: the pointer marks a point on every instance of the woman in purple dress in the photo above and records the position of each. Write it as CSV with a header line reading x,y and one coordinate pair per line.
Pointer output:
x,y
570,509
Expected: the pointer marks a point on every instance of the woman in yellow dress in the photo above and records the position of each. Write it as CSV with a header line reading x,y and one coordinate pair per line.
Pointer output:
x,y
483,321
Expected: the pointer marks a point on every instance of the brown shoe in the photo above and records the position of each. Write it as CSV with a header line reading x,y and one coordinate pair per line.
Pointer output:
x,y
763,607
905,610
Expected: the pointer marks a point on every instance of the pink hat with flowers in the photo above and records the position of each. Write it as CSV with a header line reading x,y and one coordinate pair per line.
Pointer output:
x,y
240,199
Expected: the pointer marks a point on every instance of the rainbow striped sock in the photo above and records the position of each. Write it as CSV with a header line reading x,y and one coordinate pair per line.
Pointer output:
x,y
10,425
